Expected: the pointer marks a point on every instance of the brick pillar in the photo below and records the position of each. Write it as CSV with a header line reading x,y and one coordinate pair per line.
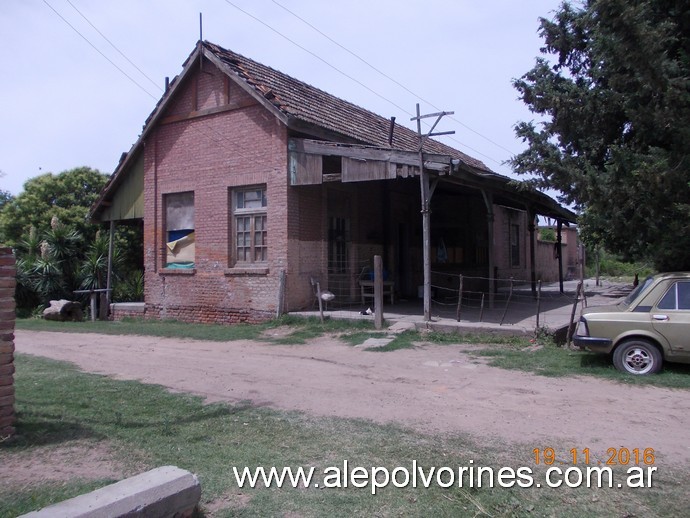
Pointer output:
x,y
7,315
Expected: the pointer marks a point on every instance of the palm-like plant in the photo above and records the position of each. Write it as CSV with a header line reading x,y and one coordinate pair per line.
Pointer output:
x,y
131,288
65,246
55,263
46,268
93,269
25,294
30,246
47,278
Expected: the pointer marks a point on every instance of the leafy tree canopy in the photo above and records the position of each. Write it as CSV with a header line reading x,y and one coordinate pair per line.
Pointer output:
x,y
612,95
67,196
5,196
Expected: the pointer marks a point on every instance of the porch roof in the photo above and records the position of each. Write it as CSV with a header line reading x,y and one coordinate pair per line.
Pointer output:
x,y
367,163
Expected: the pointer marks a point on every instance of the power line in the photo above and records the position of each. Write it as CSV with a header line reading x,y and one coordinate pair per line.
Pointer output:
x,y
283,36
317,57
386,75
154,83
276,31
101,53
201,130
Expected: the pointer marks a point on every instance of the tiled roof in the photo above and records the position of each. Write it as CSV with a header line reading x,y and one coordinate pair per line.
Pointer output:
x,y
307,103
298,101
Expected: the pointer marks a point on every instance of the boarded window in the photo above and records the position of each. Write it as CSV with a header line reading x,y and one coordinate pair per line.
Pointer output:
x,y
179,230
250,225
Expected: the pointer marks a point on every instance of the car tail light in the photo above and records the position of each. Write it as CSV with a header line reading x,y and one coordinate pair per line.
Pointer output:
x,y
582,329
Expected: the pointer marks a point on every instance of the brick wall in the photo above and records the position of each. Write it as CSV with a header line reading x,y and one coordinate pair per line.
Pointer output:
x,y
504,218
120,310
7,316
240,143
547,262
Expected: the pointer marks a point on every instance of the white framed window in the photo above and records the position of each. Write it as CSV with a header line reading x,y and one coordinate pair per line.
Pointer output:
x,y
250,235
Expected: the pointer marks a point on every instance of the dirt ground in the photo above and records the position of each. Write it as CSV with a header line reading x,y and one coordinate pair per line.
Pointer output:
x,y
432,389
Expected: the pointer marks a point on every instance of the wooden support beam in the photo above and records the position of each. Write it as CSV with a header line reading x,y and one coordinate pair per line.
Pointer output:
x,y
489,202
559,251
531,226
318,147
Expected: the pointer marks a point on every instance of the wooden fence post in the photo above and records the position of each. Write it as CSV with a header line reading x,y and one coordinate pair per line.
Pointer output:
x,y
536,330
378,292
459,308
569,334
510,296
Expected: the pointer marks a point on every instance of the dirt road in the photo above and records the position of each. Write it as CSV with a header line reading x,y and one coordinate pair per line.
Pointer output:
x,y
434,389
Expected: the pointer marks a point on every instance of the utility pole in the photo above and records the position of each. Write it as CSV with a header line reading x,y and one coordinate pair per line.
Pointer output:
x,y
426,193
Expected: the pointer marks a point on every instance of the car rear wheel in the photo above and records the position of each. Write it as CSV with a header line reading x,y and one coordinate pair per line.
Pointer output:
x,y
637,356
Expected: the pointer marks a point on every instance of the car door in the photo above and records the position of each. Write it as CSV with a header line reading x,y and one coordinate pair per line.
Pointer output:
x,y
671,318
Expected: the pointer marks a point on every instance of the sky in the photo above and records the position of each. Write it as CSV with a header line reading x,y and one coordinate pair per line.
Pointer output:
x,y
81,76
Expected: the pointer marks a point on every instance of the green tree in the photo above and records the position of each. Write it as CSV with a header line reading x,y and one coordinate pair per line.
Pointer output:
x,y
5,196
612,96
46,265
67,196
58,249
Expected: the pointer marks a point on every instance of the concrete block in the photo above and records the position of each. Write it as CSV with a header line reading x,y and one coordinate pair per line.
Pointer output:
x,y
167,491
129,307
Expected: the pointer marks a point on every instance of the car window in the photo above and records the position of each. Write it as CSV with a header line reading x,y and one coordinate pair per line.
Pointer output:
x,y
684,295
677,297
637,291
668,301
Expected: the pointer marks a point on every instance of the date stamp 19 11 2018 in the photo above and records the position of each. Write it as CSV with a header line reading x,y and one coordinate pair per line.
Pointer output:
x,y
613,456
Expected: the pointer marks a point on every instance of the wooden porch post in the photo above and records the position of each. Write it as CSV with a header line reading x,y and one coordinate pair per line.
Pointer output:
x,y
559,251
489,202
426,237
378,292
426,193
532,252
109,280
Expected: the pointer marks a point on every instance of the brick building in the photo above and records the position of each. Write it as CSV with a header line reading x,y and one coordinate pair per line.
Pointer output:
x,y
244,175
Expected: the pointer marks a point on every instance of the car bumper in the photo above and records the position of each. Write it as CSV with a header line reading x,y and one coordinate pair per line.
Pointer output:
x,y
592,343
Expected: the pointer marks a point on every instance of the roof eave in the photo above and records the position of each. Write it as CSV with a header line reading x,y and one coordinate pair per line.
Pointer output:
x,y
538,201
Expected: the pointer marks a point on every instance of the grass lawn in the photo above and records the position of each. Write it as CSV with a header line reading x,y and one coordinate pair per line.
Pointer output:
x,y
302,329
555,361
508,352
145,426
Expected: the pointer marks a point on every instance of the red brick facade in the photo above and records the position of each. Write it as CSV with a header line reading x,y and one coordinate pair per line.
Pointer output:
x,y
210,155
546,262
7,316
